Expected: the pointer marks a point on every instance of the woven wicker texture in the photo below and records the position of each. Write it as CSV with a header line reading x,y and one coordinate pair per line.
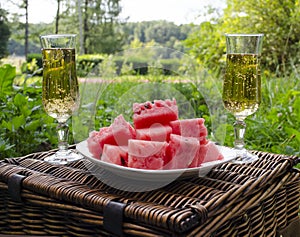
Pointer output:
x,y
257,199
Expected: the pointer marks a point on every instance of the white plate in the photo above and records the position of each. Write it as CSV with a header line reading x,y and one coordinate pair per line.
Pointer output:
x,y
155,175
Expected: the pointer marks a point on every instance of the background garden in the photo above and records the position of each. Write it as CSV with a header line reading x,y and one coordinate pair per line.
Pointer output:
x,y
129,54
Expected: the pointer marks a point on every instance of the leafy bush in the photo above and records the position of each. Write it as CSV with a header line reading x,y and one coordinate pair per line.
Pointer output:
x,y
87,62
37,57
25,128
33,64
141,65
138,65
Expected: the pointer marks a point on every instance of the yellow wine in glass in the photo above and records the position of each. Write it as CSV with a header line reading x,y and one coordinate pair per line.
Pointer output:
x,y
60,94
242,84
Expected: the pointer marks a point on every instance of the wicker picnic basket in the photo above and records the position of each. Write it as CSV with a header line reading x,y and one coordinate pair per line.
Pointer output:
x,y
260,199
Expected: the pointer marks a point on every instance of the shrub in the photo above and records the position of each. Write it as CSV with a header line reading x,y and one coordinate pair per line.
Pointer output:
x,y
24,127
37,57
87,63
137,65
33,64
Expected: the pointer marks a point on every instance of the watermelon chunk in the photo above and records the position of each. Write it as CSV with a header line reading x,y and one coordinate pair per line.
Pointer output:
x,y
210,152
158,140
146,154
118,133
122,131
190,128
156,132
96,141
207,152
181,151
160,111
115,154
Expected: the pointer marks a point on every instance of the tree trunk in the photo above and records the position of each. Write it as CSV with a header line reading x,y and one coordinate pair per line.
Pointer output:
x,y
81,42
57,17
26,27
85,26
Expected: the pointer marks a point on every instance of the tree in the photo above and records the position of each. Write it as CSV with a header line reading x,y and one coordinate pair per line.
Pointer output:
x,y
207,46
277,19
4,33
161,32
100,31
23,26
102,27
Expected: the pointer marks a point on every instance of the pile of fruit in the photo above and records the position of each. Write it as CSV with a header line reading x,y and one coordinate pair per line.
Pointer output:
x,y
157,139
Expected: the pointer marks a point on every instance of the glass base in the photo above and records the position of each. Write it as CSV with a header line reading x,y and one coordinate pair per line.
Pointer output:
x,y
63,158
243,157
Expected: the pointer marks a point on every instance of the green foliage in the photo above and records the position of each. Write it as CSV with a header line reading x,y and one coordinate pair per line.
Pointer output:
x,y
16,42
86,63
33,65
37,57
142,65
7,75
163,32
207,46
99,24
278,20
134,62
22,118
274,127
139,64
278,116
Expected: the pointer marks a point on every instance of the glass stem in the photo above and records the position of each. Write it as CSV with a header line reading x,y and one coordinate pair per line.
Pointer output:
x,y
239,132
63,134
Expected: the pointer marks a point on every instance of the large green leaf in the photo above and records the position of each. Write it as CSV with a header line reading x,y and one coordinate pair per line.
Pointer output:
x,y
7,75
17,122
19,100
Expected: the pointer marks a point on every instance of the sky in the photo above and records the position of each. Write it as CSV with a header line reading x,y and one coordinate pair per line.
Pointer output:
x,y
177,11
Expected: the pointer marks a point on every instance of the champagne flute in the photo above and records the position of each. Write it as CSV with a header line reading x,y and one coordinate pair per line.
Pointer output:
x,y
60,92
242,85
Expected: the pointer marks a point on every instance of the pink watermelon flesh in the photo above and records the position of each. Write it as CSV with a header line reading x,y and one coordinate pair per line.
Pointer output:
x,y
181,151
211,153
190,128
96,141
146,154
122,131
208,152
118,133
146,146
115,154
160,111
199,157
156,132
